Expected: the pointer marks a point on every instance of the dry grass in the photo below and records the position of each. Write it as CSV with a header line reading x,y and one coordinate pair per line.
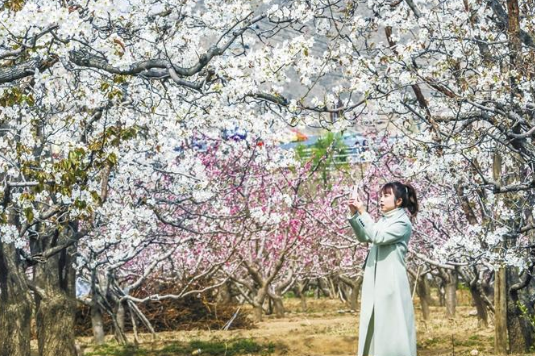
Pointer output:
x,y
328,328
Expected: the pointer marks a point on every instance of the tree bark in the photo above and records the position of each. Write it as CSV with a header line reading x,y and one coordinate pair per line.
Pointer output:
x,y
354,296
304,306
472,279
55,310
482,315
97,324
440,290
120,315
332,287
278,306
55,325
258,302
269,306
300,291
96,309
450,278
423,294
15,304
500,314
519,329
451,299
354,286
224,295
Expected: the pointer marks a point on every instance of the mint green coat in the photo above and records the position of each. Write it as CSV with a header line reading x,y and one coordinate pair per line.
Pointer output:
x,y
386,326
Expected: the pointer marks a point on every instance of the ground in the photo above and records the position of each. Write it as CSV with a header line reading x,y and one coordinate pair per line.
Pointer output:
x,y
326,329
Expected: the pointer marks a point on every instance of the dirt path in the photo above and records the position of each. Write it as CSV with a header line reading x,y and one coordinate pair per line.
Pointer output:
x,y
328,331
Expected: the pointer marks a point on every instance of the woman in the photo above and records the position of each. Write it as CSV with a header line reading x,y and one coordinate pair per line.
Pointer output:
x,y
387,325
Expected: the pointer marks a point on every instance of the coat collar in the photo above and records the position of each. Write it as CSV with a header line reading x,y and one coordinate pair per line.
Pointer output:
x,y
393,212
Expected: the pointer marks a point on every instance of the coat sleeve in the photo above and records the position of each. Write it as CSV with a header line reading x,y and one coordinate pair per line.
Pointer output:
x,y
393,234
356,224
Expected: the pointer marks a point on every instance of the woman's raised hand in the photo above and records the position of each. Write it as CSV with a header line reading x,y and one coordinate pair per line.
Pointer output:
x,y
355,203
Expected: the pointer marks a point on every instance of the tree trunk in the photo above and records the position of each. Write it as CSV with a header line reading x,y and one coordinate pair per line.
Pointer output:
x,y
519,329
500,314
451,294
120,315
441,293
323,284
430,300
15,304
55,325
482,314
354,297
279,306
269,306
300,288
303,302
472,279
422,291
258,302
97,324
55,310
331,288
344,293
518,339
224,295
354,287
257,313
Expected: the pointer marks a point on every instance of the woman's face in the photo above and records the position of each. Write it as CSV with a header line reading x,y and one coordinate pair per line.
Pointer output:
x,y
387,201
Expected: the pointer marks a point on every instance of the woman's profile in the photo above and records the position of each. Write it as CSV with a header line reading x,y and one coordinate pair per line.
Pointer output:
x,y
387,326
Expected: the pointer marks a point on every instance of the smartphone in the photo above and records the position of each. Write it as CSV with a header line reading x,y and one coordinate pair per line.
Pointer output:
x,y
355,193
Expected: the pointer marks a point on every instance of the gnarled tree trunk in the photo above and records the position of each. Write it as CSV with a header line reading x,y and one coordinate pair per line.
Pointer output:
x,y
472,280
355,286
450,277
55,296
15,304
520,330
97,324
300,291
56,306
423,293
278,306
224,295
258,302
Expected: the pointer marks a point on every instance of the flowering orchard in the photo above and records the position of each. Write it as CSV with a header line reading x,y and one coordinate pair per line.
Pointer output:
x,y
113,167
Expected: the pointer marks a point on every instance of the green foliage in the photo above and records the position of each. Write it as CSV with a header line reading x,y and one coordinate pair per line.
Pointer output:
x,y
329,152
13,5
111,89
73,169
117,350
309,293
526,315
471,342
429,342
28,212
14,96
289,294
233,347
462,286
524,312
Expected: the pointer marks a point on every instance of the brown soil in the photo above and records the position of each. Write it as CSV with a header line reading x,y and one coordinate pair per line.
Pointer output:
x,y
327,328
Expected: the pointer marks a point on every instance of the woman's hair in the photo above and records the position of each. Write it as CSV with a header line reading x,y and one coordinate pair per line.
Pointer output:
x,y
407,194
